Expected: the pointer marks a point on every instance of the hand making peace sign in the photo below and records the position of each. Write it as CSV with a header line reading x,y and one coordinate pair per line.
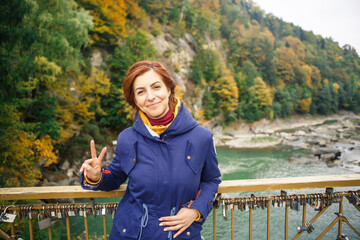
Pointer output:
x,y
92,167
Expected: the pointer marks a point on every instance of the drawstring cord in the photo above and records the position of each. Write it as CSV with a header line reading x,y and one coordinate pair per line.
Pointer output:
x,y
144,219
172,213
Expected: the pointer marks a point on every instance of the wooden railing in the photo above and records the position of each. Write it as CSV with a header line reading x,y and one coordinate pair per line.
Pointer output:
x,y
233,186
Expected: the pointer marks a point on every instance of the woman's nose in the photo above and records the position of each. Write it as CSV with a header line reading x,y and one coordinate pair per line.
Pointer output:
x,y
151,95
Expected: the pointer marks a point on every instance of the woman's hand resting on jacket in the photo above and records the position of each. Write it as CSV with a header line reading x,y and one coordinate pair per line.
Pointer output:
x,y
92,167
181,221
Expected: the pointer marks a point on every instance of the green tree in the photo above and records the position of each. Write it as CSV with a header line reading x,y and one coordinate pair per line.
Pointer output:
x,y
324,100
133,48
282,103
204,66
210,105
41,52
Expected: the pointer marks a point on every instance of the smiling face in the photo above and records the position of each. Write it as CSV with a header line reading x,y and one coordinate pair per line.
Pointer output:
x,y
151,94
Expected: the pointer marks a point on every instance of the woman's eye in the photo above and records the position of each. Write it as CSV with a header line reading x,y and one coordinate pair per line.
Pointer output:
x,y
139,92
157,86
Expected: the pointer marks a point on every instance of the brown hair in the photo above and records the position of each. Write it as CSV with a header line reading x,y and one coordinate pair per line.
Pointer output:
x,y
138,69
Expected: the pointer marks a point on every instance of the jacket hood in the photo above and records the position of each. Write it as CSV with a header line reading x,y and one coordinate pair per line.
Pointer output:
x,y
182,123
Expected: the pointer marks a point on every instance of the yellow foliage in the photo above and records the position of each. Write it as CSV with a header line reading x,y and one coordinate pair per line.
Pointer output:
x,y
179,92
287,61
210,7
43,147
261,93
305,105
336,86
24,153
296,45
326,81
269,35
305,74
74,106
133,9
315,76
226,90
45,71
109,19
200,116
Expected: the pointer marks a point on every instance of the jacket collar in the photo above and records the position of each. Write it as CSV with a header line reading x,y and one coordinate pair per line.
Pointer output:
x,y
182,123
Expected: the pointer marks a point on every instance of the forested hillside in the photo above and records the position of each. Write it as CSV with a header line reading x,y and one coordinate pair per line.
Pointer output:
x,y
62,63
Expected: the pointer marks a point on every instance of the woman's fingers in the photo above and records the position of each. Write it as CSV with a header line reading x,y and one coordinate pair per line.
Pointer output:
x,y
87,162
84,167
171,223
173,228
180,227
102,154
181,221
92,167
92,149
180,231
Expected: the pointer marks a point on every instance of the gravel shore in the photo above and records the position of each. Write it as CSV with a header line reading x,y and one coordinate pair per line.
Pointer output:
x,y
333,139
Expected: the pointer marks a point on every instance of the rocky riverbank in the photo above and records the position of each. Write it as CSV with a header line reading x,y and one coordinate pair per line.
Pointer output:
x,y
333,139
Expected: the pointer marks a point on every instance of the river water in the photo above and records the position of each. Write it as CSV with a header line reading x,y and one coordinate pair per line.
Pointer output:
x,y
258,164
274,163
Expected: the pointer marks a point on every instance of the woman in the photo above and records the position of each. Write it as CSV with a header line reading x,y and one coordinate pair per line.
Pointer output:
x,y
169,159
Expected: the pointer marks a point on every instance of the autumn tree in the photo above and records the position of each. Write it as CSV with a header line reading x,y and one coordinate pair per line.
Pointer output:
x,y
109,18
21,152
296,45
226,94
286,63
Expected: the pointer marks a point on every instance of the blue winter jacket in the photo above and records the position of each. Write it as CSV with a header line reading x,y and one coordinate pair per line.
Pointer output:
x,y
179,169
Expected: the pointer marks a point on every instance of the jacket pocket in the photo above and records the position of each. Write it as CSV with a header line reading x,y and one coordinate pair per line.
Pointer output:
x,y
128,220
129,162
192,232
191,158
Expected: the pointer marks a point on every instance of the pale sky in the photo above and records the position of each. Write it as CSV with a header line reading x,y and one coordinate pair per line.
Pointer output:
x,y
338,19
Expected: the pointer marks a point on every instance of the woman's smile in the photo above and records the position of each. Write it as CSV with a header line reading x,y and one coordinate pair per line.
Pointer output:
x,y
151,95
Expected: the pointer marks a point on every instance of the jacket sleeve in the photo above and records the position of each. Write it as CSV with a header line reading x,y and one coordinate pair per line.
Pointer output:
x,y
115,174
210,180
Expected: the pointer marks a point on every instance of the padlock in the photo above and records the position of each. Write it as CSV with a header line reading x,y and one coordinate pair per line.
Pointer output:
x,y
247,205
353,199
53,213
87,212
59,214
103,210
44,220
295,203
7,217
224,210
81,211
236,205
337,198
